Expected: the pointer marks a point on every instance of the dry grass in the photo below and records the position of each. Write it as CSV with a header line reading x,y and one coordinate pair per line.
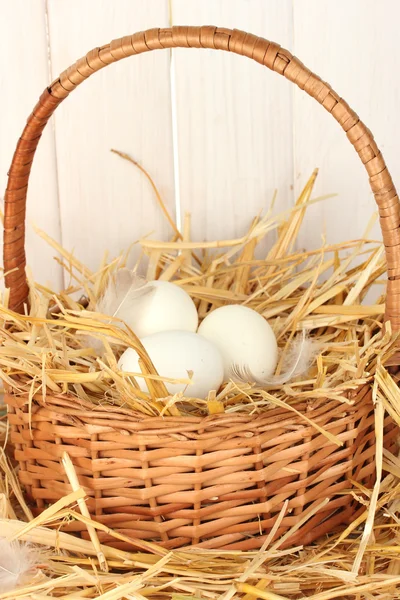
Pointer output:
x,y
321,291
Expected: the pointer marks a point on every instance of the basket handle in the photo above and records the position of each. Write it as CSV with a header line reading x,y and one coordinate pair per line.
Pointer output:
x,y
266,53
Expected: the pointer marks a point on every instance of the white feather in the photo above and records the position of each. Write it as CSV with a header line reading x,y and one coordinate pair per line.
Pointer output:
x,y
122,297
297,361
122,293
16,560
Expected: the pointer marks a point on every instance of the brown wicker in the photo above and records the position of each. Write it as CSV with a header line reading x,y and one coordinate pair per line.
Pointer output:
x,y
220,481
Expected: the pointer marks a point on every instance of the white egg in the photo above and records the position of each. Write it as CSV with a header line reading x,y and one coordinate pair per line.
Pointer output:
x,y
167,308
244,338
173,354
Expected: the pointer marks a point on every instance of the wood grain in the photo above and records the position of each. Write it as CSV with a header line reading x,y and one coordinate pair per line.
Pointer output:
x,y
23,76
358,57
106,203
234,120
242,131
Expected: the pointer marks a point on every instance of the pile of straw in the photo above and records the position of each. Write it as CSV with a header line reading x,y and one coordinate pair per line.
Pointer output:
x,y
321,291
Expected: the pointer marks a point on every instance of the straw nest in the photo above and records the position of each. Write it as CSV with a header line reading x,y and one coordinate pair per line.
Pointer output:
x,y
321,291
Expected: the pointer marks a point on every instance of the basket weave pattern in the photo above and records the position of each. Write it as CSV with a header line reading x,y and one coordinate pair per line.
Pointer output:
x,y
219,481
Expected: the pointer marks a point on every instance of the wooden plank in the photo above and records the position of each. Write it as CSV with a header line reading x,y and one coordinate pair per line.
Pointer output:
x,y
357,56
23,76
106,203
234,120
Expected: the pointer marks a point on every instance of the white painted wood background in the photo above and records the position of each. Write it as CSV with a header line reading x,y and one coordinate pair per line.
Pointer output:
x,y
217,132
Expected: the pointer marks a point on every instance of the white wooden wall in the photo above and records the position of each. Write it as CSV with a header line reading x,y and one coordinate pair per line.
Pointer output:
x,y
217,132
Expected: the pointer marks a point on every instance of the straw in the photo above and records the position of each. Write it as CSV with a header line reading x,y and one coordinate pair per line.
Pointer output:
x,y
44,355
295,291
73,479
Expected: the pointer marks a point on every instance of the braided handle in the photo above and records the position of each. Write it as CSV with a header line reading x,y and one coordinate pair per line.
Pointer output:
x,y
266,53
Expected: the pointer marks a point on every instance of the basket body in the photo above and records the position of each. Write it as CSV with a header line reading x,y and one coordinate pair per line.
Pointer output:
x,y
216,482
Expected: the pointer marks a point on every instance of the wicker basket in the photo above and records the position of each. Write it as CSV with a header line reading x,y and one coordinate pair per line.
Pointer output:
x,y
219,481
